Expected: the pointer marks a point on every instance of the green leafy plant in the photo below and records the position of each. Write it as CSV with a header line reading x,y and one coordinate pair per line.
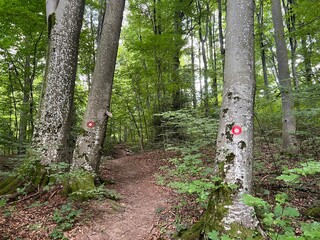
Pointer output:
x,y
294,175
3,202
190,134
65,218
278,220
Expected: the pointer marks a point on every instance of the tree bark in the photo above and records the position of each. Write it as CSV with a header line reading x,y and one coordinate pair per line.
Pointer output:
x,y
51,134
226,212
306,52
202,40
221,38
260,19
89,144
193,80
288,118
291,26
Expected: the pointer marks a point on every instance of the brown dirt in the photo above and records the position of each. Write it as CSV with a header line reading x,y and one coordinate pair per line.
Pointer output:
x,y
136,215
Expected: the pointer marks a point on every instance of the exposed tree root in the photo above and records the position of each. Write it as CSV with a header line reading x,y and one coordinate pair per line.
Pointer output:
x,y
26,179
32,177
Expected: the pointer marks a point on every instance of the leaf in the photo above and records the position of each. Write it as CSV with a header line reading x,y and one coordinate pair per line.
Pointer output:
x,y
281,198
278,211
289,178
254,201
213,235
311,230
291,212
268,218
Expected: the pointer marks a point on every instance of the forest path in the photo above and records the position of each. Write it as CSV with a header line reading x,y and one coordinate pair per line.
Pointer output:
x,y
135,216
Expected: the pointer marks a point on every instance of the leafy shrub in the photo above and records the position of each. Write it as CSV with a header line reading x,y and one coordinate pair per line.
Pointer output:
x,y
65,218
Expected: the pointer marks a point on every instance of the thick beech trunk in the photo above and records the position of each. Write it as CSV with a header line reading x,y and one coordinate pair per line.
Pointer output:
x,y
226,212
89,144
51,134
288,118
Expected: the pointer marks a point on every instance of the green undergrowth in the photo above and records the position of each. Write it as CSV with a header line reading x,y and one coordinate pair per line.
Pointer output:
x,y
64,218
31,176
192,136
191,174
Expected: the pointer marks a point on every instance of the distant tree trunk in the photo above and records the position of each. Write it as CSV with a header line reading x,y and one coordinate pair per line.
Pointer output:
x,y
288,118
102,11
89,144
213,57
291,26
221,39
203,39
52,130
307,60
24,112
226,211
262,45
193,80
177,98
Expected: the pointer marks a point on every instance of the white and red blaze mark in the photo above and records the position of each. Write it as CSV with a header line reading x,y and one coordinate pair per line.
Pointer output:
x,y
236,130
90,124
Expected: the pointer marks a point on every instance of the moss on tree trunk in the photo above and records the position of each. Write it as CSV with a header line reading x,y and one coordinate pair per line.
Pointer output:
x,y
80,185
32,177
212,219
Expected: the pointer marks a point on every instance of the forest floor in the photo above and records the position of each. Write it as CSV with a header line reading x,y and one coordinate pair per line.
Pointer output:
x,y
146,210
138,215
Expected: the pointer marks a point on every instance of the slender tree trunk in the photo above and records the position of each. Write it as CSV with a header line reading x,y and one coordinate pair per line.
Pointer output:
x,y
288,118
89,144
221,39
260,17
226,211
193,80
307,60
291,26
213,56
203,39
177,98
52,130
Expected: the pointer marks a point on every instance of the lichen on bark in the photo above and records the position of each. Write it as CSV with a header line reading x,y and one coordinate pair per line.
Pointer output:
x,y
226,213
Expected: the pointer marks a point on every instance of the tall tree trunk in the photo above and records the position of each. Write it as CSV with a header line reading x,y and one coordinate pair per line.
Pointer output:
x,y
226,211
213,57
288,118
193,80
291,26
52,130
203,39
221,39
102,11
262,45
177,100
89,144
307,60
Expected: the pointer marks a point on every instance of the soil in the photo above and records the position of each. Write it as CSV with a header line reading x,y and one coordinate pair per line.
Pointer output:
x,y
136,216
146,210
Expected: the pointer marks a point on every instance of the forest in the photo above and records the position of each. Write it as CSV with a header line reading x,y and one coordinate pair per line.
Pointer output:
x,y
160,119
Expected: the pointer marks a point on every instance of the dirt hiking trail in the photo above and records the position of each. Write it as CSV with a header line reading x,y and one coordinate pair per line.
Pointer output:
x,y
135,216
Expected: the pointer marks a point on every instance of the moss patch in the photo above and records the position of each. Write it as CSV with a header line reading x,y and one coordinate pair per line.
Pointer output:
x,y
80,185
212,218
313,212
